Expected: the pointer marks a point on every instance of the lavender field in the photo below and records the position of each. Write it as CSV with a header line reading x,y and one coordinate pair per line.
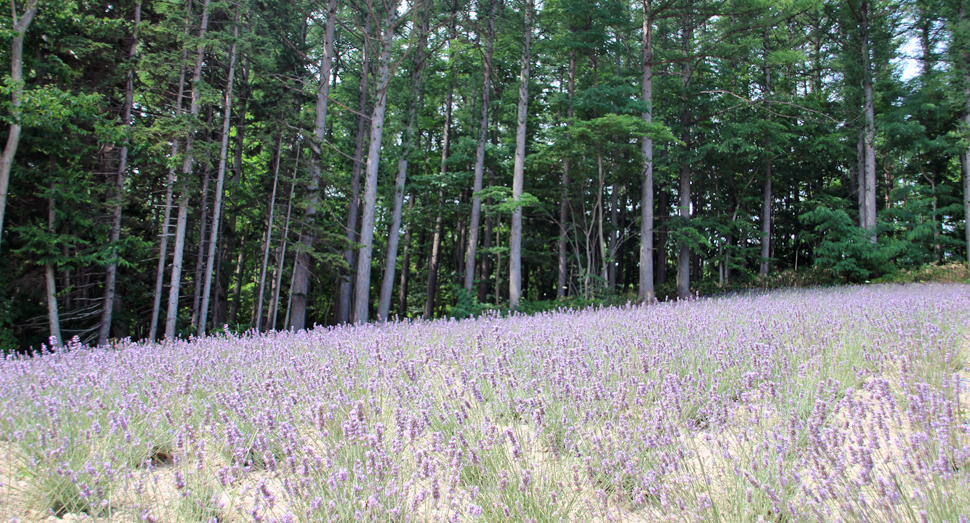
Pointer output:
x,y
815,405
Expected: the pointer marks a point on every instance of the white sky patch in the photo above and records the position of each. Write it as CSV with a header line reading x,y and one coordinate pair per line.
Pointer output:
x,y
906,61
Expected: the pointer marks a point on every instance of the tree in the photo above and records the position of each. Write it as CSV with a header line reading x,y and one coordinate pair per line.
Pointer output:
x,y
479,176
301,274
385,42
220,184
20,25
171,316
518,172
409,139
111,273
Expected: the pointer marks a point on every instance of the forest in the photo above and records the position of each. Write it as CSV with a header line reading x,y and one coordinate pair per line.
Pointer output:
x,y
178,167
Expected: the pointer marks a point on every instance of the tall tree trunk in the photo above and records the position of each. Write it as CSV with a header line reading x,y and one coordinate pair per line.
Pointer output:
x,y
435,260
169,194
661,248
476,213
111,272
268,237
281,253
203,223
301,276
346,288
861,178
683,257
870,127
964,53
362,282
766,199
410,134
485,278
402,299
646,289
173,294
237,286
601,237
432,288
17,93
561,285
220,183
53,317
518,170
612,234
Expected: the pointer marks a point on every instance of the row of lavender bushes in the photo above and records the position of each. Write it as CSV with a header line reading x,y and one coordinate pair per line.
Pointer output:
x,y
813,405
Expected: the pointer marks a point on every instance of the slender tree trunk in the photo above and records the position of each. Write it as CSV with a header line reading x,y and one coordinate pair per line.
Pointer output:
x,y
111,272
683,257
173,295
518,170
766,200
362,282
220,184
476,213
432,288
402,299
281,254
289,300
612,244
662,240
861,180
237,287
485,278
53,317
258,315
646,290
203,223
169,193
435,259
410,134
561,286
601,237
964,55
231,311
20,27
870,129
346,288
301,276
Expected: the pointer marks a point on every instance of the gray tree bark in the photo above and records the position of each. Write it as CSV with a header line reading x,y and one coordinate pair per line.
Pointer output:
x,y
53,317
402,297
281,254
869,141
20,26
203,223
965,156
766,196
410,134
169,192
301,275
476,213
111,271
346,287
564,196
173,295
268,238
518,169
432,287
220,184
362,281
646,289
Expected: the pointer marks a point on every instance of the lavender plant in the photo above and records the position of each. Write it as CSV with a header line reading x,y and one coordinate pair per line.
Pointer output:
x,y
833,405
